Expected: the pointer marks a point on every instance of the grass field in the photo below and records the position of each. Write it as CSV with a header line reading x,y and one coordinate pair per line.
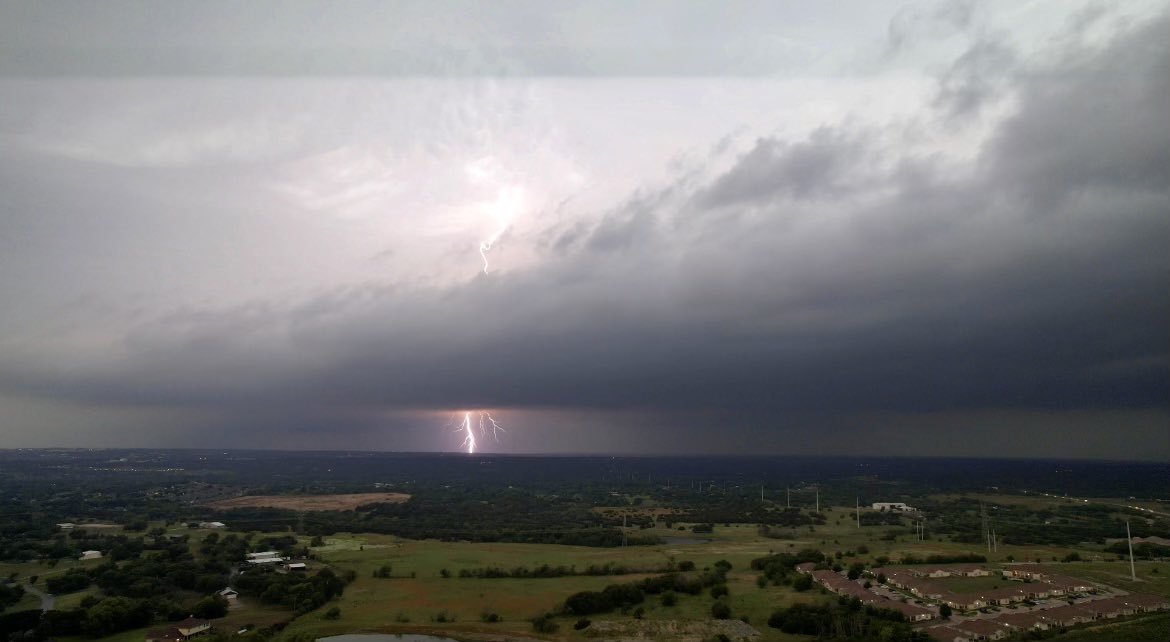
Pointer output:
x,y
418,594
1152,628
375,604
371,604
310,502
1153,577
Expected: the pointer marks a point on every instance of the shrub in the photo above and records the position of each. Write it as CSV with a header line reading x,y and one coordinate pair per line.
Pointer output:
x,y
544,624
720,611
802,583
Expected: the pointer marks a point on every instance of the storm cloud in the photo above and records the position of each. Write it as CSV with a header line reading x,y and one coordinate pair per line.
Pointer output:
x,y
992,256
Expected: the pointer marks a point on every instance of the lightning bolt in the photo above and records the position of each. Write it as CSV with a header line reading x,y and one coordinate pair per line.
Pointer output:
x,y
486,246
480,421
509,201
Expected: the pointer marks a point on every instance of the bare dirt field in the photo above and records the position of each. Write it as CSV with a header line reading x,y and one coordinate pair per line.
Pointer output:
x,y
310,502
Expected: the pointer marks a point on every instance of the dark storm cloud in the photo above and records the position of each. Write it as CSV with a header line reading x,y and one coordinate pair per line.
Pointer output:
x,y
829,164
855,277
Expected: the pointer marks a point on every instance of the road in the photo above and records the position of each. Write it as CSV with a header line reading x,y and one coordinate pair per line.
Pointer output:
x,y
47,601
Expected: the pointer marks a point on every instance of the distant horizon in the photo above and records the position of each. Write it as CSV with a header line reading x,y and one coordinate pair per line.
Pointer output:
x,y
613,455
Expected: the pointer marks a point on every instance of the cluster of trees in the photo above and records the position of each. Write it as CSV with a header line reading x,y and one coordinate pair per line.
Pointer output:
x,y
73,580
882,518
474,513
10,595
157,578
777,568
845,619
301,593
1143,551
626,596
958,558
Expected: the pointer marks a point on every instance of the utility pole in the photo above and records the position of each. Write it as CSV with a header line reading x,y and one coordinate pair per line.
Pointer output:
x,y
986,531
857,503
761,493
994,542
818,499
1129,540
787,497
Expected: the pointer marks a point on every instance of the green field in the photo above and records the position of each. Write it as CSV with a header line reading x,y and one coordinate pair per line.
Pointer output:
x,y
1154,628
1152,577
419,598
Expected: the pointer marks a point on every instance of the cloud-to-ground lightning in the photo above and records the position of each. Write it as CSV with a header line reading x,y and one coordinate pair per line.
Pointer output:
x,y
483,422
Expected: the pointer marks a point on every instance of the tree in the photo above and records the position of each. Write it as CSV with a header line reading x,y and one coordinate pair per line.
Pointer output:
x,y
210,607
669,598
802,583
720,610
333,613
944,611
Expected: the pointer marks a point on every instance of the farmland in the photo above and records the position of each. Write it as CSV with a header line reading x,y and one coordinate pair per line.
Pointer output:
x,y
310,502
484,546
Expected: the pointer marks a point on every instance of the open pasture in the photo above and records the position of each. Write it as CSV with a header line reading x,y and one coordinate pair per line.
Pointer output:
x,y
310,502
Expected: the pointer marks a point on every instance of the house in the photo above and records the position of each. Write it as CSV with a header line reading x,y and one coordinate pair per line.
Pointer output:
x,y
984,629
265,557
1069,615
229,594
67,526
948,634
296,567
168,634
213,525
179,631
963,602
1026,621
913,612
806,567
1026,571
1143,603
192,627
90,555
893,506
840,585
1066,584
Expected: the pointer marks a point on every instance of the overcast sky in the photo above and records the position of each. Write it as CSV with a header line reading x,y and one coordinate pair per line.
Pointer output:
x,y
659,227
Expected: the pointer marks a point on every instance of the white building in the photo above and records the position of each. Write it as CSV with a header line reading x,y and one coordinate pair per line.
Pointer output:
x,y
90,555
265,557
893,506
